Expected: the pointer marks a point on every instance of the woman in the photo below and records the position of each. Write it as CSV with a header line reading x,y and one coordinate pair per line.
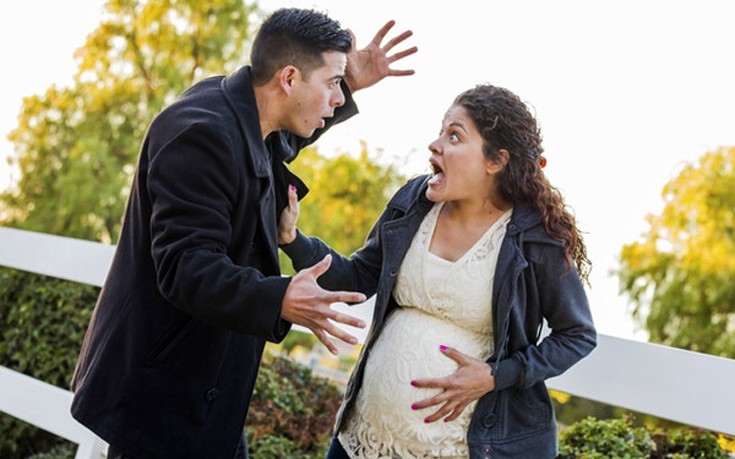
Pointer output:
x,y
466,264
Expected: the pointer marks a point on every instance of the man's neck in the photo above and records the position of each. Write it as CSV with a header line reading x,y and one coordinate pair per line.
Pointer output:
x,y
267,101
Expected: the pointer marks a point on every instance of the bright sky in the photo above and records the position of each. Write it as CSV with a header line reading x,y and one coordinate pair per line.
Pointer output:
x,y
626,92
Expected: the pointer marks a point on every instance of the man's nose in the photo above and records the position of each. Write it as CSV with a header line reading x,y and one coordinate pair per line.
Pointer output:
x,y
338,98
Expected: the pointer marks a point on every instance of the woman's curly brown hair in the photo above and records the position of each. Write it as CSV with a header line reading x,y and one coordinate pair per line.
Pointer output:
x,y
505,122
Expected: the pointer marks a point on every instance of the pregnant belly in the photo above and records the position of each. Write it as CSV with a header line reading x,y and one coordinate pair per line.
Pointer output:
x,y
408,349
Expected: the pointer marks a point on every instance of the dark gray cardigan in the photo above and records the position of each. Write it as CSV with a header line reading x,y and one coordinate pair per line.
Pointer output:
x,y
532,283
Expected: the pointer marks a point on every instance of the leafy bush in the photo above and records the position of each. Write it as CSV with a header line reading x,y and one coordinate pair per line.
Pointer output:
x,y
591,438
687,444
44,320
292,411
604,439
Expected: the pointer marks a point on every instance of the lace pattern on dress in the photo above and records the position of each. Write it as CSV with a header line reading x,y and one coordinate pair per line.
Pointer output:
x,y
442,302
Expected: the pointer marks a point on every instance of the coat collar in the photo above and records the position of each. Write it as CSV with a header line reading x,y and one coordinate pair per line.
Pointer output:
x,y
524,215
238,90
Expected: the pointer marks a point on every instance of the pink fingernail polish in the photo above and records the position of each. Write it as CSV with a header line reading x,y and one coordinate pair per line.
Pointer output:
x,y
426,421
413,383
414,407
292,187
442,347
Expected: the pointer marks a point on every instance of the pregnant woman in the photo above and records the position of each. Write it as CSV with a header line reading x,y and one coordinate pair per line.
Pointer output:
x,y
466,264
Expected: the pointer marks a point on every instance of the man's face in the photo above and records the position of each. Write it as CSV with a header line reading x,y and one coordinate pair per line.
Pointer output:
x,y
315,98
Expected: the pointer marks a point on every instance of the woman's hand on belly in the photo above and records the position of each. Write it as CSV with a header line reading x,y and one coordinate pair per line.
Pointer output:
x,y
472,379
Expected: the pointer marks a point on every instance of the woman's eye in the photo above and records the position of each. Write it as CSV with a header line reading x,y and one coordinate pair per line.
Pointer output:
x,y
453,137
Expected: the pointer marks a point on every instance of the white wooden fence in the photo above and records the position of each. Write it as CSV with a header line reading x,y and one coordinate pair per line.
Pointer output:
x,y
687,387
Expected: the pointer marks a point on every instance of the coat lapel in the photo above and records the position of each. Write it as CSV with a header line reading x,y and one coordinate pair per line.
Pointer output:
x,y
238,91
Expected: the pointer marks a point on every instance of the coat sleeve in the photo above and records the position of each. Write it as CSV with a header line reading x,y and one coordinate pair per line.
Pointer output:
x,y
559,294
360,272
193,188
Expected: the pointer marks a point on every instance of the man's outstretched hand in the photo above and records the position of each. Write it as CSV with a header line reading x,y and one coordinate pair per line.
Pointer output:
x,y
309,305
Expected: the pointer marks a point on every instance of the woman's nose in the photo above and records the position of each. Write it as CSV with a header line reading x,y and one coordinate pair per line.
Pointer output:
x,y
434,147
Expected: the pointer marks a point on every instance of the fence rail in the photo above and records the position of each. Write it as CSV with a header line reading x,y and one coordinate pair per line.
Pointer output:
x,y
687,387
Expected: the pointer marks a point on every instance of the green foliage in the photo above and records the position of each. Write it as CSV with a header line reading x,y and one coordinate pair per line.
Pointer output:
x,y
62,451
592,438
349,194
76,147
292,411
607,439
679,275
296,339
44,320
688,444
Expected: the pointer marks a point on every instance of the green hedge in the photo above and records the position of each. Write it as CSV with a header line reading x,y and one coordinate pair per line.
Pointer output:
x,y
44,320
292,412
619,439
42,327
43,323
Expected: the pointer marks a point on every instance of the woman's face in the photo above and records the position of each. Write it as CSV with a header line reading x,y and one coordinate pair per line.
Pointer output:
x,y
461,170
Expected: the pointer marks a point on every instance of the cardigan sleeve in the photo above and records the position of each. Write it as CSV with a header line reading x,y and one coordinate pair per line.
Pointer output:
x,y
558,294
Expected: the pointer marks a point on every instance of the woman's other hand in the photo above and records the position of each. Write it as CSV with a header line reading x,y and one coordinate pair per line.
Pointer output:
x,y
289,216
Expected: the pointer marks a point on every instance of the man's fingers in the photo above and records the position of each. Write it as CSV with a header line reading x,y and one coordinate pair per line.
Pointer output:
x,y
324,333
321,267
401,72
402,54
342,335
346,319
324,338
383,32
397,40
345,297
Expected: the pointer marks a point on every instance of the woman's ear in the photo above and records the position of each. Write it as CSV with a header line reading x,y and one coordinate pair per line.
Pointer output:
x,y
500,161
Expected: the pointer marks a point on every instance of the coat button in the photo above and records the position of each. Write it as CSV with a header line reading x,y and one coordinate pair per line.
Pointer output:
x,y
211,394
489,420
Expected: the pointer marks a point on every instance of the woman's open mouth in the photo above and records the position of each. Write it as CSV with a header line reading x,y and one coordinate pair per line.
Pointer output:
x,y
438,174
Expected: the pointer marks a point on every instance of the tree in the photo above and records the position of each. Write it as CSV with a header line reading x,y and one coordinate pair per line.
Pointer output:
x,y
680,275
76,147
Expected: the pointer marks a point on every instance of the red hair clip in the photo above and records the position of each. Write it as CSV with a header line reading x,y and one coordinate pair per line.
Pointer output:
x,y
542,162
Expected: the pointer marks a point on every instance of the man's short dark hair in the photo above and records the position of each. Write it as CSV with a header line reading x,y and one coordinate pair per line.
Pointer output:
x,y
298,37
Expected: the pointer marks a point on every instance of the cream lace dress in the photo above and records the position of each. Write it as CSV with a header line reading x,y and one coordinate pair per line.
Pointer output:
x,y
443,302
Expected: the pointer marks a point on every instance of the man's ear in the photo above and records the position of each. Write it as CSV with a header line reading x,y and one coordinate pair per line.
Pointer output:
x,y
286,77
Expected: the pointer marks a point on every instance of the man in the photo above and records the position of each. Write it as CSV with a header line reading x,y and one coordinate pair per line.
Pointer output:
x,y
169,362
